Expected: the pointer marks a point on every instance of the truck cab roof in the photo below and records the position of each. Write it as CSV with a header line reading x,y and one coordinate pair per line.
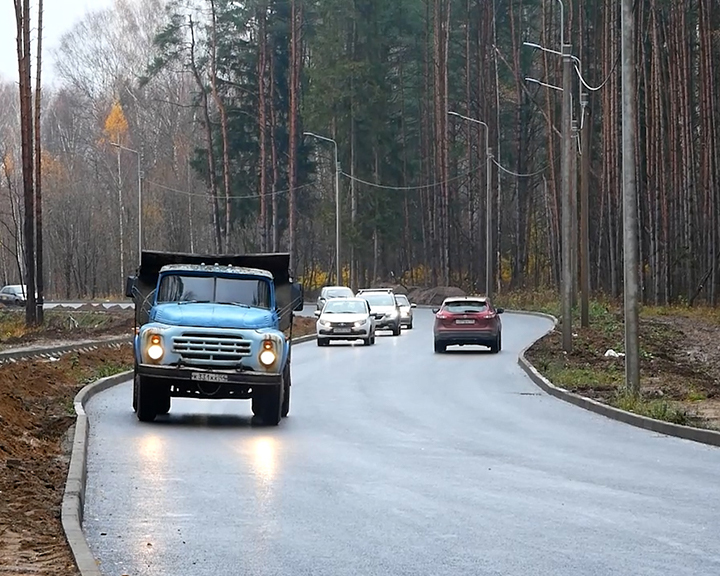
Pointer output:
x,y
216,268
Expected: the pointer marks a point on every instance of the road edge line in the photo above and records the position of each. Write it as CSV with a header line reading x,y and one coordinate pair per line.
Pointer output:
x,y
73,501
709,437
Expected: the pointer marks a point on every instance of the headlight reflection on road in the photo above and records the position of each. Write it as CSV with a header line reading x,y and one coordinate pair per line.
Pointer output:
x,y
264,458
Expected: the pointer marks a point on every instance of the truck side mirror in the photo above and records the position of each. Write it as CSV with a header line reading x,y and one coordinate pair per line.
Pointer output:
x,y
298,296
130,284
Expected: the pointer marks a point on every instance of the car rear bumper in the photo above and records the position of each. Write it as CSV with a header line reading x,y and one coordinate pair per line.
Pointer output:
x,y
482,337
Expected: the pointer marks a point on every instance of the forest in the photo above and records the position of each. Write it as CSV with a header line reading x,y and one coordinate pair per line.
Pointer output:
x,y
182,125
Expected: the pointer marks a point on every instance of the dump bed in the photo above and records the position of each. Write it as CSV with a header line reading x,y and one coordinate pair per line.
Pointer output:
x,y
151,263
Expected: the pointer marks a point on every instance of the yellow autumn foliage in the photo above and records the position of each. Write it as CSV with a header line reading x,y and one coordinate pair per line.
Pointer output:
x,y
116,125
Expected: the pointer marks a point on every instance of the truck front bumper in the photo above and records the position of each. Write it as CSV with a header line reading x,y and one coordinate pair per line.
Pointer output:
x,y
198,383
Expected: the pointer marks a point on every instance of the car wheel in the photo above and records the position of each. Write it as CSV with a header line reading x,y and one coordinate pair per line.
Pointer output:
x,y
410,326
495,346
396,330
322,342
367,341
147,405
439,347
372,339
286,391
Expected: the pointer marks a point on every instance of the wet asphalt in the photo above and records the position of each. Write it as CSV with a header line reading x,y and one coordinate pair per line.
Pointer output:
x,y
398,461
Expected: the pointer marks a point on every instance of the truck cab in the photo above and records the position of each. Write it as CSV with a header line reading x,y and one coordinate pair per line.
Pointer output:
x,y
213,327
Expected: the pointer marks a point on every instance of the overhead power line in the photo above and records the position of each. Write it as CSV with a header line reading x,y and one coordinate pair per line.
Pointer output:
x,y
206,195
409,188
530,175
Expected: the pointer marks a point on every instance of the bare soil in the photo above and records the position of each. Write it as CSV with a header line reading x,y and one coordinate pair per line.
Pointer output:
x,y
680,366
36,412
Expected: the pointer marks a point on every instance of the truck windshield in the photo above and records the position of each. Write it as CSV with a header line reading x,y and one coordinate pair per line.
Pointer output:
x,y
186,288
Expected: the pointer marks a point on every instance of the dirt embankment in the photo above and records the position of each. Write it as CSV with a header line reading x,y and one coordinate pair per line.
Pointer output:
x,y
680,366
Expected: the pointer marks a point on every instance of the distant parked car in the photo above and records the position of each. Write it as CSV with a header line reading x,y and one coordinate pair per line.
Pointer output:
x,y
14,295
330,292
346,319
406,310
468,320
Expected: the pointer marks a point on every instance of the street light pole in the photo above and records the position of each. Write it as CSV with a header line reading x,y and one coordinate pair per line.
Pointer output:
x,y
338,266
488,203
139,182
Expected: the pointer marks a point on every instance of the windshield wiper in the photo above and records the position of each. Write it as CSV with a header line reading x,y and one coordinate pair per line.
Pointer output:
x,y
194,302
240,304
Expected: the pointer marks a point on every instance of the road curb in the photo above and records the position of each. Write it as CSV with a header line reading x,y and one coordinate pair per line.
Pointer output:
x,y
29,353
709,437
73,502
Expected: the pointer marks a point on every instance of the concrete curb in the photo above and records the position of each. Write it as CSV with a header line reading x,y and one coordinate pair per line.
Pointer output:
x,y
73,502
710,437
29,353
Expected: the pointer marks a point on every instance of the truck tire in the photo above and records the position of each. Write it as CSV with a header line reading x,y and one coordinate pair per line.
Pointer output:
x,y
146,401
162,399
286,391
267,404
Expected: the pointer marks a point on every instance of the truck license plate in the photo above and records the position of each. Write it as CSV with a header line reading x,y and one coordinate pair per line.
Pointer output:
x,y
464,321
209,377
342,330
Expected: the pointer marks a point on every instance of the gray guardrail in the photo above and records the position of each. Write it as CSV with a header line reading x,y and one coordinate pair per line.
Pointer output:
x,y
52,351
73,502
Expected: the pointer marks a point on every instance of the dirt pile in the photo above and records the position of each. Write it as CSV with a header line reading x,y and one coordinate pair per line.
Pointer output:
x,y
36,410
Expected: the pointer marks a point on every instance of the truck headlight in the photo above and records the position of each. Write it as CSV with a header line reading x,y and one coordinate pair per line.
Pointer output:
x,y
155,351
267,355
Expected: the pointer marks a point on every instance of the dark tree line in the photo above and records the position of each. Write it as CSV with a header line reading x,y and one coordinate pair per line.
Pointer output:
x,y
218,93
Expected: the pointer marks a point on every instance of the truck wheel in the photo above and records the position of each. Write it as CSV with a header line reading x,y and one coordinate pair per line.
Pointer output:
x,y
146,400
267,404
135,390
286,391
162,399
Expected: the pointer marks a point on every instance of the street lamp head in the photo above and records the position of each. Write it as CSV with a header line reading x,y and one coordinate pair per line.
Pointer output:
x,y
533,45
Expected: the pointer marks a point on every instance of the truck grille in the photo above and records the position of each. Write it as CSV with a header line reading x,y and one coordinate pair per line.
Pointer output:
x,y
211,349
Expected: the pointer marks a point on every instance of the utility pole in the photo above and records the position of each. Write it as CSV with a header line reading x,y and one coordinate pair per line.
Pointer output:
x,y
630,223
567,267
574,131
488,222
584,211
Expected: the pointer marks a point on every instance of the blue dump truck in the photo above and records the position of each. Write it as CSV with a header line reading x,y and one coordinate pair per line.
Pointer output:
x,y
213,327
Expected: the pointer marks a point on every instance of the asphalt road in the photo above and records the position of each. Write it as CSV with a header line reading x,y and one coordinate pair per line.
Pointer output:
x,y
398,461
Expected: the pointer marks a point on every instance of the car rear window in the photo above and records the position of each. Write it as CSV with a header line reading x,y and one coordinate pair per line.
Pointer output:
x,y
381,299
467,307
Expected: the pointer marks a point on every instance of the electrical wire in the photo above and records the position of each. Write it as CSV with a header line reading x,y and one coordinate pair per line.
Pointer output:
x,y
409,188
205,195
595,89
515,173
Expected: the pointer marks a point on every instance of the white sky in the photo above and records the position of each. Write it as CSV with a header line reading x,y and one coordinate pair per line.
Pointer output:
x,y
58,17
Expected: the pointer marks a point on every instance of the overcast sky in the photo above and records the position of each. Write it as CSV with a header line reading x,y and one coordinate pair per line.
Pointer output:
x,y
59,16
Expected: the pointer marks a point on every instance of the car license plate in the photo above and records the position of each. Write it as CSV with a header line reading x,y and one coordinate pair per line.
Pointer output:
x,y
209,377
464,321
342,330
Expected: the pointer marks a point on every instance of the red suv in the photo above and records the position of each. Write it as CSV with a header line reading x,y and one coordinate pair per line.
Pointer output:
x,y
468,320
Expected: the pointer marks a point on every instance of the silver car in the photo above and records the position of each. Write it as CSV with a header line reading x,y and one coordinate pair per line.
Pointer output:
x,y
346,319
330,292
385,309
14,295
406,310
